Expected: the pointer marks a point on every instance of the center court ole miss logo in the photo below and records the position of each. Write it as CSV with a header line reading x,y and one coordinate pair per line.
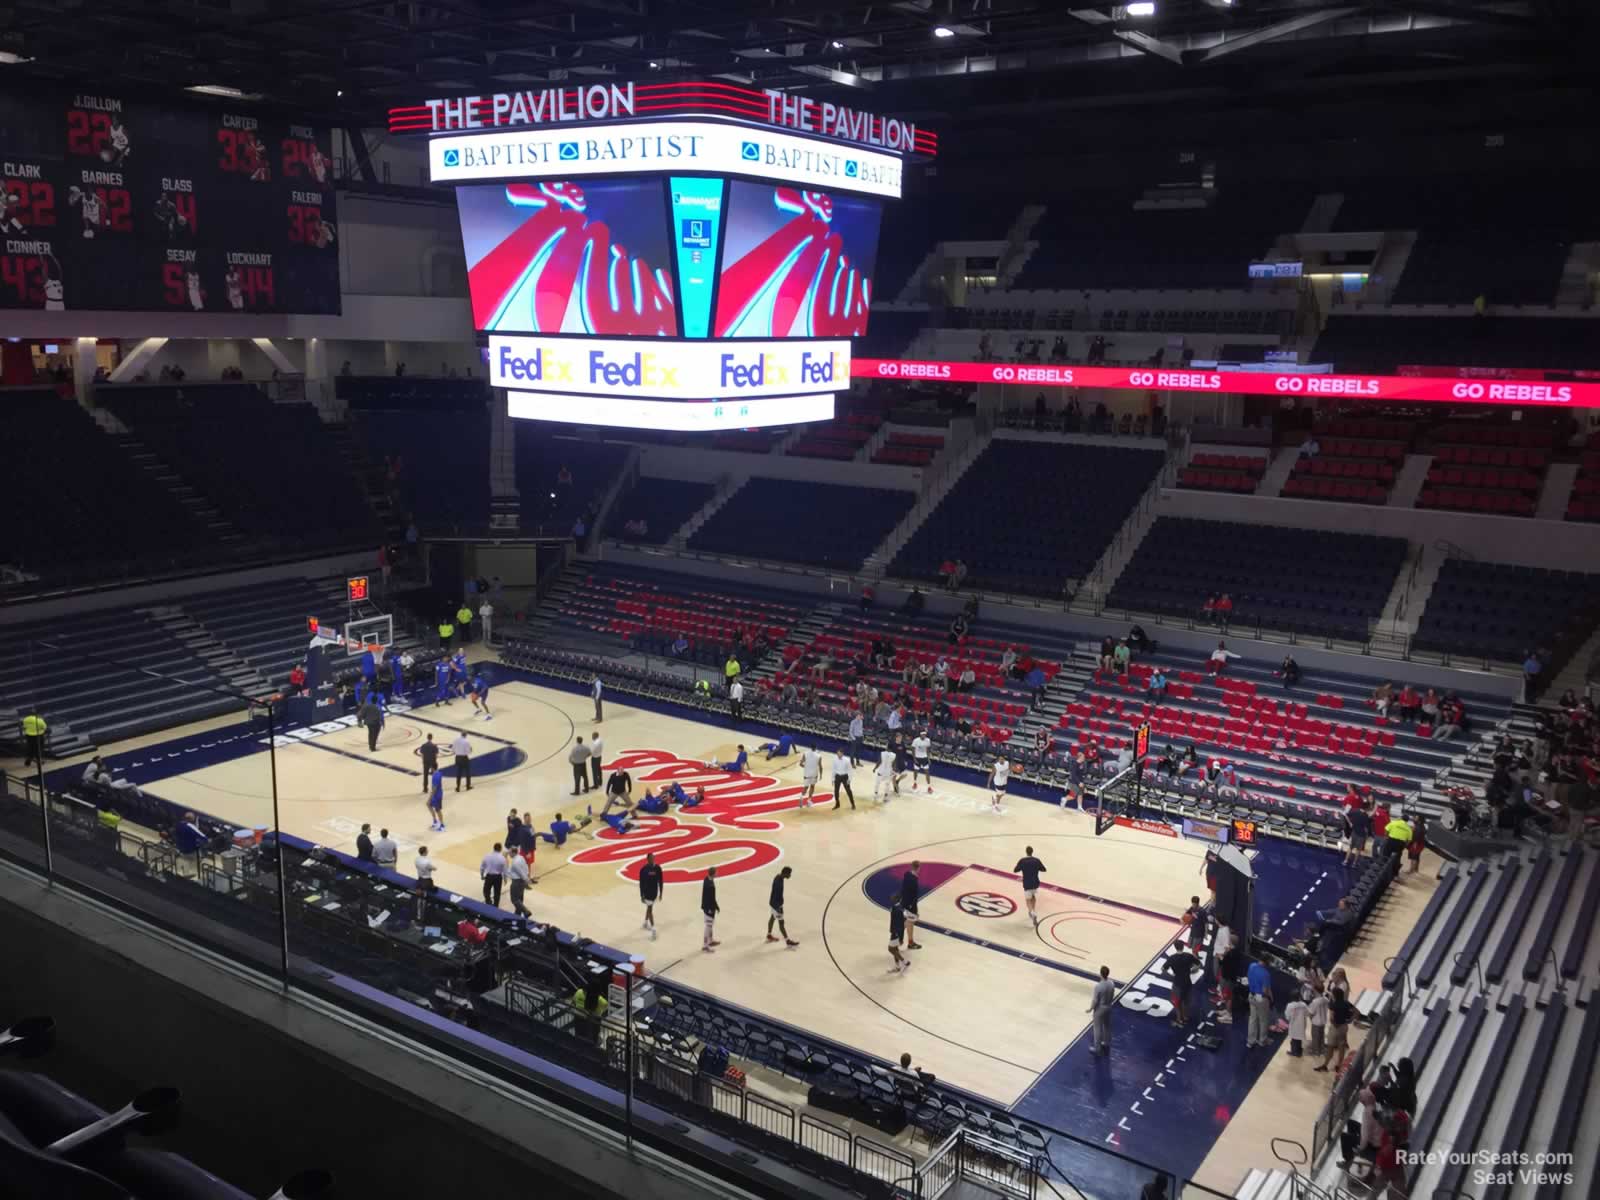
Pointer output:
x,y
684,848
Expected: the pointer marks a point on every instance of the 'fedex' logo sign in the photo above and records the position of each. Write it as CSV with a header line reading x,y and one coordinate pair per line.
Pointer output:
x,y
635,368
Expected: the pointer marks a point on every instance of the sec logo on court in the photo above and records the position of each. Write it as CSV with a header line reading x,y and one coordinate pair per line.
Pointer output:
x,y
986,904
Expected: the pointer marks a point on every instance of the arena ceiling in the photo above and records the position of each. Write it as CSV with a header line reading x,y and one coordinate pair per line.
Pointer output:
x,y
944,62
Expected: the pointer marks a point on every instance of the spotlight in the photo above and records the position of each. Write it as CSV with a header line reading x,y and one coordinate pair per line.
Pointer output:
x,y
1141,8
943,31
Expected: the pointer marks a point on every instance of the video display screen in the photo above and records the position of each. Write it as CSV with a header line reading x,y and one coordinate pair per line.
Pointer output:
x,y
795,263
561,257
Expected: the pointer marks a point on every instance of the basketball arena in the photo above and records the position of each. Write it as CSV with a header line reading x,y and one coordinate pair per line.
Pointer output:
x,y
906,601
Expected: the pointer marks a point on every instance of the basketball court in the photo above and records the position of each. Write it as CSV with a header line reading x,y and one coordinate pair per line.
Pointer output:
x,y
991,1003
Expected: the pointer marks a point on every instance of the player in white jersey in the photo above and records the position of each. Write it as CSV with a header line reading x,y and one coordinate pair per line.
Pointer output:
x,y
87,203
117,151
883,776
10,202
235,288
921,747
810,772
322,234
55,290
1002,776
319,164
197,298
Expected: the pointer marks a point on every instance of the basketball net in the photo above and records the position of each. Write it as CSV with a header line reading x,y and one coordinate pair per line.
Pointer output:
x,y
352,647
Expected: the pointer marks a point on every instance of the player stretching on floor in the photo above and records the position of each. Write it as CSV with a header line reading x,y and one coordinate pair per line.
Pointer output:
x,y
1030,868
480,696
650,886
897,933
921,747
1002,776
776,902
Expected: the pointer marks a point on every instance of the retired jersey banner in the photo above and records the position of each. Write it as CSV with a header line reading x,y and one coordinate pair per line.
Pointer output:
x,y
1288,384
112,203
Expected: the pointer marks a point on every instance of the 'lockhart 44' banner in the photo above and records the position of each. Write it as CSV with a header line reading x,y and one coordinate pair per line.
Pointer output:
x,y
108,203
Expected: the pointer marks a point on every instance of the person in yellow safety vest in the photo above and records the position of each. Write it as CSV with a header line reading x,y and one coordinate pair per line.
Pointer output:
x,y
1398,832
34,727
731,670
464,619
446,632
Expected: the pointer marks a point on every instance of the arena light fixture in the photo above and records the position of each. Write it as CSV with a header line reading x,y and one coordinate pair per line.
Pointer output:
x,y
943,31
837,45
227,93
7,56
1140,8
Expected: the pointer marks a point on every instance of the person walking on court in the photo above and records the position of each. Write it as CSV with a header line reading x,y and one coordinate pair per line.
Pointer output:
x,y
650,892
436,803
492,870
517,869
910,893
34,728
1101,1003
1259,979
736,699
810,772
1030,868
897,934
462,749
1181,965
364,844
841,779
596,690
578,756
596,749
858,730
708,906
428,752
775,902
1001,777
372,717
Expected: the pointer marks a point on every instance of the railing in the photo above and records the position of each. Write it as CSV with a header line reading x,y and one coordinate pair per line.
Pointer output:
x,y
1330,1121
826,1139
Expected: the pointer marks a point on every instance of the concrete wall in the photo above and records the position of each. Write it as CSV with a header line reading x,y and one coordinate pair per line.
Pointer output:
x,y
1520,540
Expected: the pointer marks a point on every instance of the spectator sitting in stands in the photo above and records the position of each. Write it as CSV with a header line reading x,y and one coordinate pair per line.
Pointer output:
x,y
187,835
1108,649
790,692
680,646
967,680
1008,660
1036,683
1139,641
1120,656
98,773
1158,683
914,603
1310,448
1289,671
1219,658
1224,609
1208,610
1382,698
1430,708
1408,703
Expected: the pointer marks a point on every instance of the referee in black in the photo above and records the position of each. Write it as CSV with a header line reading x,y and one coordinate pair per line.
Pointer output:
x,y
776,902
910,892
428,752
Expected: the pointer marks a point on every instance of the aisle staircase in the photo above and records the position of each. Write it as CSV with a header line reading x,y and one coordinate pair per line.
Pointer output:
x,y
200,508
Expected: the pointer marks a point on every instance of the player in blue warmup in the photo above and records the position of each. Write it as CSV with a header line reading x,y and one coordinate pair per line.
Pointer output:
x,y
653,804
458,673
436,803
781,748
441,679
480,696
738,765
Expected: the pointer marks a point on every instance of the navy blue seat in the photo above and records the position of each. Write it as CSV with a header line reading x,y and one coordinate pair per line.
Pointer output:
x,y
1501,611
662,504
793,520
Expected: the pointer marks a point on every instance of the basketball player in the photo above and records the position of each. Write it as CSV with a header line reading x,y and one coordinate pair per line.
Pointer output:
x,y
883,777
116,153
1030,868
428,752
841,779
710,909
441,681
921,748
910,892
458,673
650,891
1002,776
171,219
55,288
775,900
197,294
897,933
480,696
319,164
9,203
235,287
88,205
810,772
902,761
436,803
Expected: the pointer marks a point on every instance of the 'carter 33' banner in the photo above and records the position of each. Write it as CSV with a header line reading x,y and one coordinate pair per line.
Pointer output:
x,y
109,203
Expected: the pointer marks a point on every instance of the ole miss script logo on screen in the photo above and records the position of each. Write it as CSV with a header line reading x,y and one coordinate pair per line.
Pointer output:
x,y
734,805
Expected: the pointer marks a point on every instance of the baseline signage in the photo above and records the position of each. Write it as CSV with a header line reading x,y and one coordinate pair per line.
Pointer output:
x,y
621,412
649,147
1251,383
678,371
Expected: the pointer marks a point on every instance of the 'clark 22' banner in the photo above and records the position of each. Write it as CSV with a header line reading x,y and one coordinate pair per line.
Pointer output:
x,y
1249,383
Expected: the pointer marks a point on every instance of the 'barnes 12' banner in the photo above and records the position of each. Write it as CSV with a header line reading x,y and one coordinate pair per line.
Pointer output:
x,y
1248,383
109,203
